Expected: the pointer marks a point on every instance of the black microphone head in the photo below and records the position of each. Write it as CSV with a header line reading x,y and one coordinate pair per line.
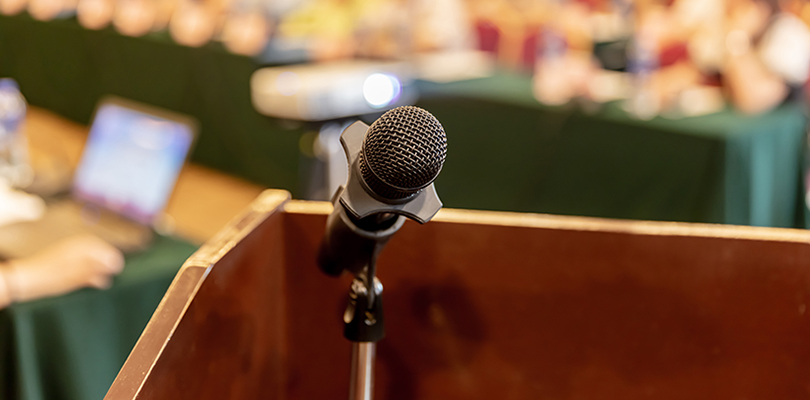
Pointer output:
x,y
403,152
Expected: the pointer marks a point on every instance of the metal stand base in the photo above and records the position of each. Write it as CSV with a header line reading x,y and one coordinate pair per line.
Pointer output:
x,y
362,379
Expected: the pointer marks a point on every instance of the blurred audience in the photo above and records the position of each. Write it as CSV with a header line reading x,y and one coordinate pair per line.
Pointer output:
x,y
660,57
683,57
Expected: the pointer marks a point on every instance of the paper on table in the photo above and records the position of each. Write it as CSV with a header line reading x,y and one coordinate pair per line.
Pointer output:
x,y
18,206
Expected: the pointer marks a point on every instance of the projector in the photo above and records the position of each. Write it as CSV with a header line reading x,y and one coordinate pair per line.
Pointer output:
x,y
318,92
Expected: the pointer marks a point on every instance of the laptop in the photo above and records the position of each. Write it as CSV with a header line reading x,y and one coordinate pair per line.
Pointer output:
x,y
126,175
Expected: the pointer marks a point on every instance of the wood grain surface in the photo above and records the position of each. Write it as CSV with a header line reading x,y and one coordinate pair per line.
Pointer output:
x,y
484,305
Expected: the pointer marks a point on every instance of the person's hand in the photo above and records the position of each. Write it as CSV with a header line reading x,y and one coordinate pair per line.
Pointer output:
x,y
74,263
754,89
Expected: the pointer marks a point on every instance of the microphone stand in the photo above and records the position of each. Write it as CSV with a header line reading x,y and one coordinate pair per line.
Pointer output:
x,y
364,327
354,245
349,241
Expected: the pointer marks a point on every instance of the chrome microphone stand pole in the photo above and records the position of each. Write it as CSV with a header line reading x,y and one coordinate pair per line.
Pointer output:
x,y
364,327
362,380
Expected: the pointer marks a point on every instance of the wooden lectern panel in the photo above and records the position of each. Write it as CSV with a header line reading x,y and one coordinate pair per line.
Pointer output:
x,y
483,305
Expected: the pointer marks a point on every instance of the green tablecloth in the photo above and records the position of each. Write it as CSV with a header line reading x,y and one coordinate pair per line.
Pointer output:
x,y
72,346
67,69
508,152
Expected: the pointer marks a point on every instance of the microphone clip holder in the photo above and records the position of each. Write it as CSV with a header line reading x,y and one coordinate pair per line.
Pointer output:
x,y
363,319
420,208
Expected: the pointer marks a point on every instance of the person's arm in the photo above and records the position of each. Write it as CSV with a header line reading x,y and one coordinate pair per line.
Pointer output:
x,y
74,263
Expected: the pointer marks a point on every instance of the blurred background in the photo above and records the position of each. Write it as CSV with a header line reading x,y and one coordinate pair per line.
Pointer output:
x,y
681,110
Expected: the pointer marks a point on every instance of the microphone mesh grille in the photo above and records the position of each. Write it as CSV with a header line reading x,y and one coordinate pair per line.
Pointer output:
x,y
403,152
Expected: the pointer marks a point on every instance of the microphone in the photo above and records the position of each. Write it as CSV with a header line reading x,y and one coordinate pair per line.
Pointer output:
x,y
392,166
403,152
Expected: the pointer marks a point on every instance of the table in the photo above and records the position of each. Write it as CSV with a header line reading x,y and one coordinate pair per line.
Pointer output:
x,y
72,346
507,151
65,68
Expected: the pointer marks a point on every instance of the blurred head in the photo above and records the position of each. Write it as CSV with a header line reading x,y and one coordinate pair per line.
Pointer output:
x,y
246,33
134,17
192,24
95,14
45,10
12,7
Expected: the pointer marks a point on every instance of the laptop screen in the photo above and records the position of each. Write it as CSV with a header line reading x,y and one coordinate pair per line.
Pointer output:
x,y
131,161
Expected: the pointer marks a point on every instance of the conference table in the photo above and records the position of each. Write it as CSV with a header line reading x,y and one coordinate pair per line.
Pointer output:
x,y
65,68
506,150
72,346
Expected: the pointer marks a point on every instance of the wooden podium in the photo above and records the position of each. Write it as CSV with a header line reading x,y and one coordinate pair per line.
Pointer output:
x,y
484,305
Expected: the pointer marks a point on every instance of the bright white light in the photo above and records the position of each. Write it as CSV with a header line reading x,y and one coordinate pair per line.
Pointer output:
x,y
381,89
